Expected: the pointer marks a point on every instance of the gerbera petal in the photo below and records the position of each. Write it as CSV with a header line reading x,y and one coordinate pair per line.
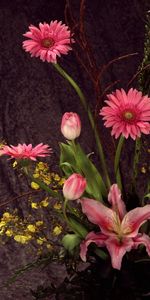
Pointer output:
x,y
23,151
99,239
130,110
48,41
134,219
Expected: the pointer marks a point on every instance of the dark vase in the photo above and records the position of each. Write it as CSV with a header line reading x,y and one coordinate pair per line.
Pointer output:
x,y
100,281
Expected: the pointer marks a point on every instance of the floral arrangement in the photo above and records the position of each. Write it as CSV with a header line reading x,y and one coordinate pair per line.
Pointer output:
x,y
91,203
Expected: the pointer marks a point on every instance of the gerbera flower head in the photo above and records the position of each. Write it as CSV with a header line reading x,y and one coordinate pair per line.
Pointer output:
x,y
48,41
23,151
127,113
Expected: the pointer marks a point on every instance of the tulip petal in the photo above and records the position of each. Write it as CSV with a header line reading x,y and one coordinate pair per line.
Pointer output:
x,y
134,219
99,214
98,239
118,249
142,239
114,198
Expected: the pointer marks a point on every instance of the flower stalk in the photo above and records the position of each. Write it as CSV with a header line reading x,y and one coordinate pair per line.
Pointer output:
x,y
64,74
117,160
41,184
64,212
138,145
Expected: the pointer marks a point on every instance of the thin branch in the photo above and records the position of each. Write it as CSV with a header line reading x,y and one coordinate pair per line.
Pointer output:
x,y
18,197
135,75
109,87
81,16
105,67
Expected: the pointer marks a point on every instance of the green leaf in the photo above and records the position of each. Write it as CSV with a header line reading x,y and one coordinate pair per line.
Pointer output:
x,y
77,227
147,196
73,159
95,185
100,253
71,241
66,168
67,160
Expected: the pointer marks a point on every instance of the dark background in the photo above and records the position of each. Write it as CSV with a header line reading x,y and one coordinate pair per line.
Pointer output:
x,y
34,97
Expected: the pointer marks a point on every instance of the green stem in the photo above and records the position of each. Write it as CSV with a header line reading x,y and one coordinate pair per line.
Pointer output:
x,y
117,160
91,119
42,185
148,187
137,152
73,143
64,212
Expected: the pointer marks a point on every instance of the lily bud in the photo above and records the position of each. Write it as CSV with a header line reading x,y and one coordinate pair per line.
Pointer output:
x,y
70,125
74,187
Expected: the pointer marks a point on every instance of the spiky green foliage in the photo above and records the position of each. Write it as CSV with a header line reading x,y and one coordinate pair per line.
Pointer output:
x,y
144,77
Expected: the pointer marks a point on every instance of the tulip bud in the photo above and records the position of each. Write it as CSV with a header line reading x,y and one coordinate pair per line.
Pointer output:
x,y
70,125
74,187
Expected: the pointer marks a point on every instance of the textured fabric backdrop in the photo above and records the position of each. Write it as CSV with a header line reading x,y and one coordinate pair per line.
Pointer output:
x,y
34,97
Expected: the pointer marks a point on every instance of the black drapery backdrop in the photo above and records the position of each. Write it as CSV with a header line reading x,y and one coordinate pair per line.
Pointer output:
x,y
34,97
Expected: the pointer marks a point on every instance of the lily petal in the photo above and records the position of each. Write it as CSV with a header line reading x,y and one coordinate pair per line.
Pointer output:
x,y
100,215
142,239
134,219
118,249
114,198
92,237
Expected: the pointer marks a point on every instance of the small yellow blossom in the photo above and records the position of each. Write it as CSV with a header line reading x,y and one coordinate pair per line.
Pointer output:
x,y
2,224
36,175
40,241
39,223
7,216
143,170
47,180
57,206
9,232
34,205
2,231
14,164
31,228
44,202
23,239
52,174
2,143
34,185
56,177
41,165
57,230
49,246
39,252
62,180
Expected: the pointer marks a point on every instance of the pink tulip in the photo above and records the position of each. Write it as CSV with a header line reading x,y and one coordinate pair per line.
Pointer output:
x,y
74,187
119,229
70,125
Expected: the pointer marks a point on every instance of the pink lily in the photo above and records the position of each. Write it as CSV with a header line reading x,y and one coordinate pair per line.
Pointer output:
x,y
119,228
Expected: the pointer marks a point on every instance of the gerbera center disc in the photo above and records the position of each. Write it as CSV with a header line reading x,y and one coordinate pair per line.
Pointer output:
x,y
128,116
47,43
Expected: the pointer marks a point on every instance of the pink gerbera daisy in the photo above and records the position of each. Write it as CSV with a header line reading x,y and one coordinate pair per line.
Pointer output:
x,y
23,151
127,113
48,41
